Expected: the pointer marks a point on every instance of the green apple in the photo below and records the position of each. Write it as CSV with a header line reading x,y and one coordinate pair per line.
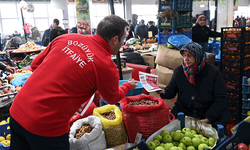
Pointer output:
x,y
196,136
186,140
178,131
168,146
177,136
180,148
171,133
193,131
211,141
204,140
175,143
157,143
164,132
202,146
182,145
174,148
151,145
162,144
189,134
200,135
158,137
167,139
196,142
182,135
159,148
190,148
184,130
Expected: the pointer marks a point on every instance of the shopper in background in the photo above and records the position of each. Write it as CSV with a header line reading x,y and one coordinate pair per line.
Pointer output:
x,y
66,74
56,31
46,36
142,31
73,30
131,31
152,28
200,86
201,33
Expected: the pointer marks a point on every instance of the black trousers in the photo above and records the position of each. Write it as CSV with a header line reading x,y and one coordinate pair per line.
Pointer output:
x,y
21,139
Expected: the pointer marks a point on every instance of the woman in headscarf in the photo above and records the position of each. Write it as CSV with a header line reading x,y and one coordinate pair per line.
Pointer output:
x,y
201,33
200,86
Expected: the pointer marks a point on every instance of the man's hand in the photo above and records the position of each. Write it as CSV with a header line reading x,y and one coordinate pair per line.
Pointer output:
x,y
12,70
133,83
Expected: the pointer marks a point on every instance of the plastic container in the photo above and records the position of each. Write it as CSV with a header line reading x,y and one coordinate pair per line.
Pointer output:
x,y
138,90
4,132
175,22
176,5
241,135
163,37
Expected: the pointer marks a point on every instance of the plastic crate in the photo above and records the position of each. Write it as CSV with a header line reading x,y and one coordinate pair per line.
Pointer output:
x,y
4,132
241,135
140,146
175,22
231,47
163,37
176,5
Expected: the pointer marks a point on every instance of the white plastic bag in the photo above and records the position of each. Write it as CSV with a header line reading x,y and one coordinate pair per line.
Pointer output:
x,y
96,135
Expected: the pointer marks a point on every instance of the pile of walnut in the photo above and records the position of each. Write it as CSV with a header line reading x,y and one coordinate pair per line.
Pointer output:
x,y
86,128
28,47
109,115
144,102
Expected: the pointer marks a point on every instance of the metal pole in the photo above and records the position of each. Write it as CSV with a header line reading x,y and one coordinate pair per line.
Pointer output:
x,y
215,17
123,2
111,3
23,25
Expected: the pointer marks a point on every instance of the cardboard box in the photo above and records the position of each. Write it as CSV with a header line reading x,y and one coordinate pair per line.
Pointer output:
x,y
164,74
166,57
210,58
169,101
149,58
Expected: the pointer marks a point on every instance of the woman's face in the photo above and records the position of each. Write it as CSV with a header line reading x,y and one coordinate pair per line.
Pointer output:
x,y
202,21
188,59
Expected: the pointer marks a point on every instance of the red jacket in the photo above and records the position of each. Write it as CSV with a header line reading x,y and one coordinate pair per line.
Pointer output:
x,y
66,74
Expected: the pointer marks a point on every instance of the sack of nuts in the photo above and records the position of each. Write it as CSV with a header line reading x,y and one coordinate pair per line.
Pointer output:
x,y
144,114
112,124
87,134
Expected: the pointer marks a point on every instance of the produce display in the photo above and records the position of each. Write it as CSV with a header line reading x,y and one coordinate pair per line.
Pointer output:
x,y
5,139
243,146
109,115
29,47
185,139
86,128
143,102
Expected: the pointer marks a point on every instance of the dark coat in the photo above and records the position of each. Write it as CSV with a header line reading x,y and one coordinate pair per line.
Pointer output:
x,y
46,38
201,34
142,32
153,29
55,32
208,99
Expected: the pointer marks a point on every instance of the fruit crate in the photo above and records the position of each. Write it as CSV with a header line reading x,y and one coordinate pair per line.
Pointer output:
x,y
4,132
236,33
175,22
241,135
6,99
176,5
163,37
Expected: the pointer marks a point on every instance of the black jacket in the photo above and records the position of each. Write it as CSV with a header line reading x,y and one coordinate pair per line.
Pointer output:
x,y
153,29
46,38
142,32
208,99
55,32
201,34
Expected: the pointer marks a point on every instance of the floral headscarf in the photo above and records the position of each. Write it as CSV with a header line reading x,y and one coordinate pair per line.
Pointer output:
x,y
199,18
200,56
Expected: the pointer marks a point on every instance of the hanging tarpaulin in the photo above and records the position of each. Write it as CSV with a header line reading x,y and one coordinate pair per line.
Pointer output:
x,y
83,17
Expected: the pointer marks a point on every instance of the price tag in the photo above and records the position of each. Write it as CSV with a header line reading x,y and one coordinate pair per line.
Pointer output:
x,y
138,138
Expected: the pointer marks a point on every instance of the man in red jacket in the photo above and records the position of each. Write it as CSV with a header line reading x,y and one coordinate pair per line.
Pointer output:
x,y
66,74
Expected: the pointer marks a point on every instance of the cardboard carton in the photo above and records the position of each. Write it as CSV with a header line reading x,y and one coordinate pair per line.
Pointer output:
x,y
164,74
149,58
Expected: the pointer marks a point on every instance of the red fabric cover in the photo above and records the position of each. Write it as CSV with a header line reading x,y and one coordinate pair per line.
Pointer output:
x,y
88,112
137,68
144,119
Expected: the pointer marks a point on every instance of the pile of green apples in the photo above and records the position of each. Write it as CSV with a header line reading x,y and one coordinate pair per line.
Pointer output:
x,y
184,139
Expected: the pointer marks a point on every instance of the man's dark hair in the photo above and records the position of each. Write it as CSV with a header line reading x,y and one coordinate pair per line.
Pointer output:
x,y
111,26
56,21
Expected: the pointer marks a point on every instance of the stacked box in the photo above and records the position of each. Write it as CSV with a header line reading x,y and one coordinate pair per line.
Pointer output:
x,y
245,98
235,62
174,17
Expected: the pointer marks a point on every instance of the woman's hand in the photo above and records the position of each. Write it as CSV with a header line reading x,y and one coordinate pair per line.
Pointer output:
x,y
12,70
162,91
205,121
